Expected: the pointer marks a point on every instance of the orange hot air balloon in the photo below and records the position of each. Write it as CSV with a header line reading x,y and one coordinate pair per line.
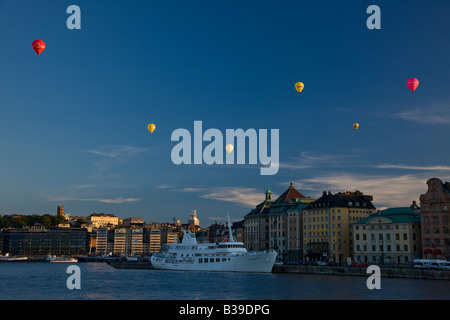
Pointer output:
x,y
412,83
38,46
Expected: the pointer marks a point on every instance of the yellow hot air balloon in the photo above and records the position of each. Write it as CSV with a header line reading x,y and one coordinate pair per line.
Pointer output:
x,y
229,148
356,125
151,127
299,86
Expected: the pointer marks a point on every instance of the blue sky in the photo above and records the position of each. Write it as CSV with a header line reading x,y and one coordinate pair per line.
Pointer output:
x,y
74,120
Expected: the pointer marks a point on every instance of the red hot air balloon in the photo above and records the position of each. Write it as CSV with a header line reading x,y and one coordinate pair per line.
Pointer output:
x,y
412,83
38,46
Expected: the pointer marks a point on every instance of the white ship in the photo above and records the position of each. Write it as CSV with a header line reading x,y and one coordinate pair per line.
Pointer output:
x,y
220,256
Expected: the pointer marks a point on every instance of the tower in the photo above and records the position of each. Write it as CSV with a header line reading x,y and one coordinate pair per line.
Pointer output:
x,y
193,222
60,211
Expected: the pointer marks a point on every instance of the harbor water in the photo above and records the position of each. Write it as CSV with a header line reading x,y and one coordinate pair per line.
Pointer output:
x,y
100,281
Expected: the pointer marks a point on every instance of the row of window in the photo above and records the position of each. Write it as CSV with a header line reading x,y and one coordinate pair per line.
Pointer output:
x,y
211,260
435,208
380,236
327,204
426,219
381,227
387,259
437,241
387,249
436,230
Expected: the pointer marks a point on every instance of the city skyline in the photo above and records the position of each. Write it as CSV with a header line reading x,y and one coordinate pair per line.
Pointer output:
x,y
75,118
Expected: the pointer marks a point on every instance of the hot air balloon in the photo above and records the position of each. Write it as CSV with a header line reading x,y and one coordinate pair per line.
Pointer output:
x,y
299,86
38,46
412,83
151,127
355,126
229,148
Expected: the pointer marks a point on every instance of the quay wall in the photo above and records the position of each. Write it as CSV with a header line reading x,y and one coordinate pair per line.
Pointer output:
x,y
388,272
361,271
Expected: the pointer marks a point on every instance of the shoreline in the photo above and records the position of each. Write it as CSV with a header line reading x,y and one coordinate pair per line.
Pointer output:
x,y
387,272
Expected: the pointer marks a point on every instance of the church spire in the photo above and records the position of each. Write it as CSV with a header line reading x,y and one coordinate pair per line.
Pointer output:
x,y
268,195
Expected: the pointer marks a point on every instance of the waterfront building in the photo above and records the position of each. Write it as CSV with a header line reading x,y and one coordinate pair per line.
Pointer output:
x,y
168,236
294,228
327,221
42,242
266,226
128,241
435,214
102,220
238,230
120,240
155,240
135,241
391,236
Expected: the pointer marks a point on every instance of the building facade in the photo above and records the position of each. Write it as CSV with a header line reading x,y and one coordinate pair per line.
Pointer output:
x,y
391,236
327,221
44,242
268,225
435,214
99,220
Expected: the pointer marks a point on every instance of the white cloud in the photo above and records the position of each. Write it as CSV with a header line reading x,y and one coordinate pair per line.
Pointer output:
x,y
116,200
117,152
439,113
248,197
311,159
400,166
387,191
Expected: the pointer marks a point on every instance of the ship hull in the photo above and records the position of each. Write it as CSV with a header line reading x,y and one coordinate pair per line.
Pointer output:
x,y
258,262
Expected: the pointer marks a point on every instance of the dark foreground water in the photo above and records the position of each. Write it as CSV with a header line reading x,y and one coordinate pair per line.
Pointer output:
x,y
99,281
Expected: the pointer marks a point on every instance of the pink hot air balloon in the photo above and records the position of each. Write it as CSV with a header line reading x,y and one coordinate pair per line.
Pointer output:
x,y
412,83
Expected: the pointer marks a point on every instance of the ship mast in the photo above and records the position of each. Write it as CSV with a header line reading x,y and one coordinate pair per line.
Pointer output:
x,y
230,234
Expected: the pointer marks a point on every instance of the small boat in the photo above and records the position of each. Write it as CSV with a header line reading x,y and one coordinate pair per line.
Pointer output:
x,y
9,258
60,259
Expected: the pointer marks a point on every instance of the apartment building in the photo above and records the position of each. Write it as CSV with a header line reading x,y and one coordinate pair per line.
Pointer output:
x,y
391,236
327,221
